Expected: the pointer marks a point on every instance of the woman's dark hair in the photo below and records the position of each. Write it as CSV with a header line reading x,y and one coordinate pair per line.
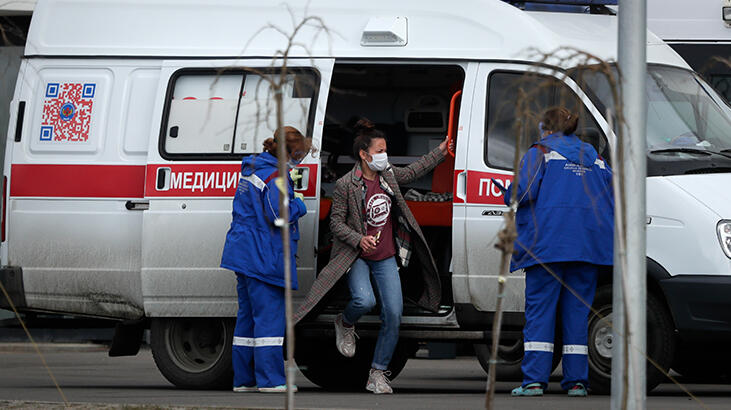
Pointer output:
x,y
365,132
560,119
270,146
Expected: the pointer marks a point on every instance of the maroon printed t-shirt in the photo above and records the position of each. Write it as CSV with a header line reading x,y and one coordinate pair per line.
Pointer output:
x,y
378,219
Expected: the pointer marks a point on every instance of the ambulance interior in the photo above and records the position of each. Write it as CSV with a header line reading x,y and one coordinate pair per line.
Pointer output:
x,y
410,103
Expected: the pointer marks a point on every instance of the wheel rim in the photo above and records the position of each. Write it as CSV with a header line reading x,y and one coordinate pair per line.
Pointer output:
x,y
195,345
601,341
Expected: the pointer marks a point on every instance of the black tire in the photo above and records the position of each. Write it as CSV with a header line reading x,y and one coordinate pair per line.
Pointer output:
x,y
193,353
320,361
510,358
706,363
660,341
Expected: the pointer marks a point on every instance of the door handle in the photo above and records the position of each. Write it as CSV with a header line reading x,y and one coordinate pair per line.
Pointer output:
x,y
162,182
492,212
460,190
303,181
137,205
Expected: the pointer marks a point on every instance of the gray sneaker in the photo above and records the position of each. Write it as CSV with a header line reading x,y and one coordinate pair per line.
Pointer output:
x,y
344,337
378,382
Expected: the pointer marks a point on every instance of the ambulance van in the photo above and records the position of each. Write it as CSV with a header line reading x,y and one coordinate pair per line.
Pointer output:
x,y
700,32
130,119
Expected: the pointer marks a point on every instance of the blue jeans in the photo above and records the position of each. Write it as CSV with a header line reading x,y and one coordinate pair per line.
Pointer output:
x,y
363,299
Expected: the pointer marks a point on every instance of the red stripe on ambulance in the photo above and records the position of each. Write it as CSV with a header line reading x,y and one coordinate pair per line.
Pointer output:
x,y
481,190
206,180
78,181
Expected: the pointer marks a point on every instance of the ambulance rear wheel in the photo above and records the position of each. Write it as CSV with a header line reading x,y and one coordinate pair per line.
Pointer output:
x,y
193,353
322,364
660,341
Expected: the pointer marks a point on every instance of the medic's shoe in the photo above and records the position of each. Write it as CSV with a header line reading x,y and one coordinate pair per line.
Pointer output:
x,y
246,389
344,337
532,389
578,390
378,382
276,389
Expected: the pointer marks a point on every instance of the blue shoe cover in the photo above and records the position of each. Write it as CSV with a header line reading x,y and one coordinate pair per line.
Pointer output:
x,y
533,389
578,390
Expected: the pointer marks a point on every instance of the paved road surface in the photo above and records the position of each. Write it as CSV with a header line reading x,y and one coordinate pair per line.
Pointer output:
x,y
90,376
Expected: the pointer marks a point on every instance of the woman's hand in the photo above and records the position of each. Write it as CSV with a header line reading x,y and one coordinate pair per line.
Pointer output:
x,y
368,243
443,145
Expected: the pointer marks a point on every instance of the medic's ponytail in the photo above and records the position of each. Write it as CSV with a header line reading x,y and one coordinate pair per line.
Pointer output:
x,y
560,119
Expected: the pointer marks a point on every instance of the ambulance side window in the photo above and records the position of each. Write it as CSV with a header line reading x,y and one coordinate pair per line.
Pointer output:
x,y
257,108
515,103
202,113
223,115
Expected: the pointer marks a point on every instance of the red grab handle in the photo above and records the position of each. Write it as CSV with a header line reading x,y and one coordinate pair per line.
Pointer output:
x,y
451,125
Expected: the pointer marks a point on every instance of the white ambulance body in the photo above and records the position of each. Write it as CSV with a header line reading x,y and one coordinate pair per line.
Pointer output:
x,y
130,119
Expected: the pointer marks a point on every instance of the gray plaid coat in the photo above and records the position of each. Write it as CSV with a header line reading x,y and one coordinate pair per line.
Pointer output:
x,y
347,223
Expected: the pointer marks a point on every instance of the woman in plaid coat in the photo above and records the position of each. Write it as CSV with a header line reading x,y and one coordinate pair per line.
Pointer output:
x,y
371,239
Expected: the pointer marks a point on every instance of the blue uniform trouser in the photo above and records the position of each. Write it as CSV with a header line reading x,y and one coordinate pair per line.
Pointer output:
x,y
259,334
542,295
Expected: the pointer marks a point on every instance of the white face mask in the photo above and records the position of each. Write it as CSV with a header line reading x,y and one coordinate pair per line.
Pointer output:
x,y
379,162
291,163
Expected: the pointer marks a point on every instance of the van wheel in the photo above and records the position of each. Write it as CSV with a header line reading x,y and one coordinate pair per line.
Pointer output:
x,y
706,363
193,353
322,364
510,358
660,341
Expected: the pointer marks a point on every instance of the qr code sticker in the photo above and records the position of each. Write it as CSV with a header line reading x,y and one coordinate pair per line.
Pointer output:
x,y
67,112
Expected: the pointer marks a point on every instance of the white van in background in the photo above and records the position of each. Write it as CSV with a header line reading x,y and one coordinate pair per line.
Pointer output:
x,y
124,149
700,31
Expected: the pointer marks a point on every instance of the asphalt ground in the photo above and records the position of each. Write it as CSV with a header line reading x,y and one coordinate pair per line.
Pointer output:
x,y
91,379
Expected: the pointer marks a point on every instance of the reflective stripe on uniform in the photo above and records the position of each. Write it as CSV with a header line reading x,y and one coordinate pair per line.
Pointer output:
x,y
576,349
538,347
255,180
258,341
553,155
269,341
244,341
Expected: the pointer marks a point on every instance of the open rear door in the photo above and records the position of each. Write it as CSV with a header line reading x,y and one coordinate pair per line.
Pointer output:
x,y
213,113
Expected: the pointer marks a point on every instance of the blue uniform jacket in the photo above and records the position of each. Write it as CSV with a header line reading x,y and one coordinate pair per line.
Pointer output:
x,y
253,244
565,204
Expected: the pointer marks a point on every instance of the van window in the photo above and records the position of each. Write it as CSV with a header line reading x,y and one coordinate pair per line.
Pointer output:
x,y
722,84
257,109
224,115
517,97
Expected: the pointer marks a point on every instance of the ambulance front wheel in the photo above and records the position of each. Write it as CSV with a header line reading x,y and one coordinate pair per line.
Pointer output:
x,y
660,341
193,353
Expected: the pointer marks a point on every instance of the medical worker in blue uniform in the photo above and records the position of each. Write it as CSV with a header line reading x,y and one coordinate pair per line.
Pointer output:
x,y
565,222
253,250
